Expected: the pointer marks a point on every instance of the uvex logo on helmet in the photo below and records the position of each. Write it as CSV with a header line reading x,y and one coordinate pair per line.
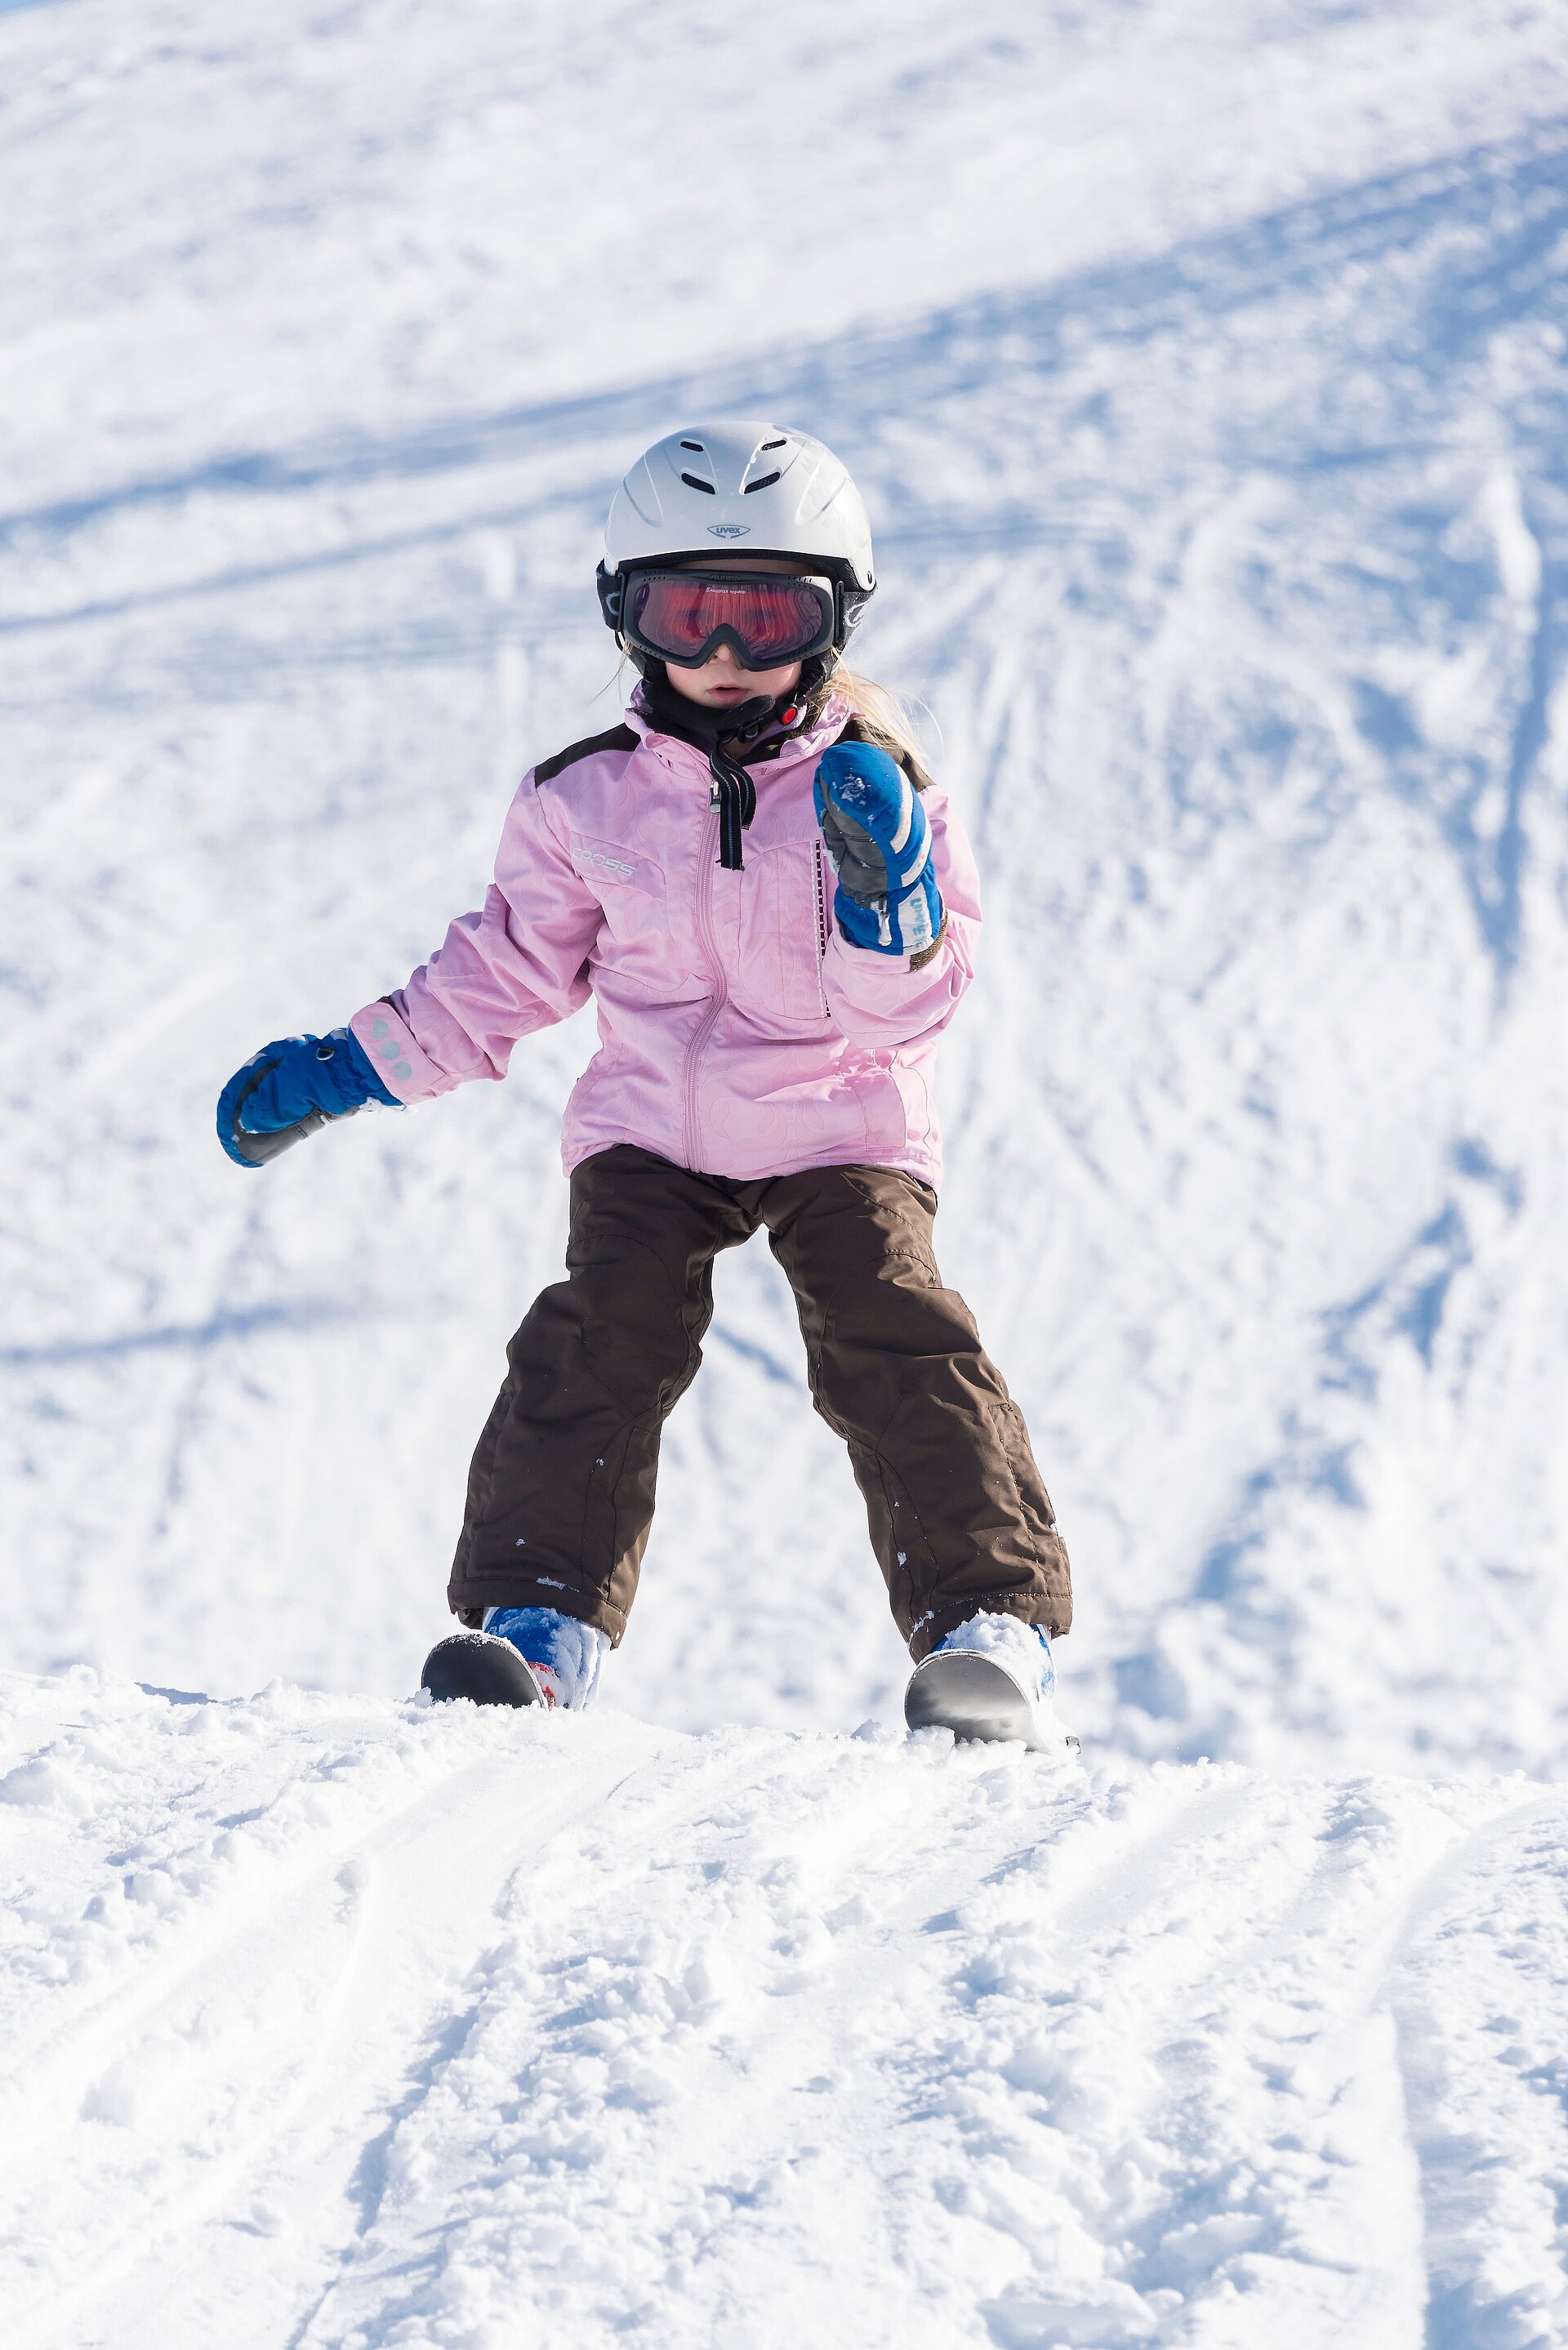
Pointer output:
x,y
729,530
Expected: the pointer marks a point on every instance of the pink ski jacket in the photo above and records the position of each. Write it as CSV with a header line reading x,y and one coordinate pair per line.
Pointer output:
x,y
738,1034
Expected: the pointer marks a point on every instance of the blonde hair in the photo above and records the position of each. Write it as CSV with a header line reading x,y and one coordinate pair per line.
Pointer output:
x,y
880,718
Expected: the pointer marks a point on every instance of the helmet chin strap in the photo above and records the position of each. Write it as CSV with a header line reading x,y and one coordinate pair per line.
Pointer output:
x,y
710,729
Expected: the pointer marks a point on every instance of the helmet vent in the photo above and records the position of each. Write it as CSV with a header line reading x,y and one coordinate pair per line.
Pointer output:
x,y
770,444
694,444
693,483
764,481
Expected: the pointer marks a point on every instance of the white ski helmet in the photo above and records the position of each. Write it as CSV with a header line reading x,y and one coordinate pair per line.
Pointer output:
x,y
745,487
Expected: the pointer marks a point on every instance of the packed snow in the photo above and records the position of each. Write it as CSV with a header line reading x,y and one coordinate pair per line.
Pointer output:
x,y
355,2020
1204,368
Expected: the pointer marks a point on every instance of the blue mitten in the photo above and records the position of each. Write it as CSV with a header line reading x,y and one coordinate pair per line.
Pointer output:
x,y
299,1080
879,840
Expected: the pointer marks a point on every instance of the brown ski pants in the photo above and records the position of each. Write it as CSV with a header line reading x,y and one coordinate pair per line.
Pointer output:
x,y
560,1495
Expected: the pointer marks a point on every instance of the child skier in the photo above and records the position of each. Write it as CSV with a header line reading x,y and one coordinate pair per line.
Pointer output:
x,y
762,1062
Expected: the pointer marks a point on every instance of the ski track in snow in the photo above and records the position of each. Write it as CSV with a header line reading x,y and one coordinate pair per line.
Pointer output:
x,y
355,2022
1204,367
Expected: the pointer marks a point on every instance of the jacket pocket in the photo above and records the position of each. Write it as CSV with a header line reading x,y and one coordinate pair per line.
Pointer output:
x,y
876,1087
779,941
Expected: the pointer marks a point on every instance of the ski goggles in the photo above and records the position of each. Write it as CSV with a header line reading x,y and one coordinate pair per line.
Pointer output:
x,y
766,618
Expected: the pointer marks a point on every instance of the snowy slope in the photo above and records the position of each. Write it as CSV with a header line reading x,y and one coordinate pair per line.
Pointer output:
x,y
1204,367
1218,479
355,2024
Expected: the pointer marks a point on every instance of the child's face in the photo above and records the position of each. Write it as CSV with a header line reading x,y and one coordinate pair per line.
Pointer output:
x,y
721,680
720,677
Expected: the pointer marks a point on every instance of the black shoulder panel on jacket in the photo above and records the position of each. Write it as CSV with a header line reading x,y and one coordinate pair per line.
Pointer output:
x,y
618,738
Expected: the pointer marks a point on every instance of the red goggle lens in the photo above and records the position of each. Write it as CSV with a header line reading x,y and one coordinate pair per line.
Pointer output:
x,y
773,620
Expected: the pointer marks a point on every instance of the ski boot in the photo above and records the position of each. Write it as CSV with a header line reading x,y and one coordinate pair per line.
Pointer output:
x,y
992,1678
525,1656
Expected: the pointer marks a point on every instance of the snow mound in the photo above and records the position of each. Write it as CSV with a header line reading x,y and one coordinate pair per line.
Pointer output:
x,y
369,2023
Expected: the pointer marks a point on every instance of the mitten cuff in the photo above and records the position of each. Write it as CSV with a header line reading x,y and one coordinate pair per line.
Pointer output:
x,y
929,954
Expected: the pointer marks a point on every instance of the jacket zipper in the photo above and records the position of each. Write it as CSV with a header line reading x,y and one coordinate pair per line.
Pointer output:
x,y
821,927
694,1051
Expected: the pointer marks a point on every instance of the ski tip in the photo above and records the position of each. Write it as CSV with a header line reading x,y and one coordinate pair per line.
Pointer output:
x,y
480,1667
976,1698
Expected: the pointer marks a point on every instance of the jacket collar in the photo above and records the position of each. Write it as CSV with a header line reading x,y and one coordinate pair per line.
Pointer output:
x,y
809,743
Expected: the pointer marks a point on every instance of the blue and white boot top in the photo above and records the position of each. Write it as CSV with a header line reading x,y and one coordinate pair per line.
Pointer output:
x,y
992,1678
525,1656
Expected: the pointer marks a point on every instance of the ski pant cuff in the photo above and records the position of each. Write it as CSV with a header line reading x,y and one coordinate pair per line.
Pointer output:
x,y
481,1592
1028,1606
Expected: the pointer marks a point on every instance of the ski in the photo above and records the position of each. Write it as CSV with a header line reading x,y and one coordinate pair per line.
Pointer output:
x,y
477,1666
976,1697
